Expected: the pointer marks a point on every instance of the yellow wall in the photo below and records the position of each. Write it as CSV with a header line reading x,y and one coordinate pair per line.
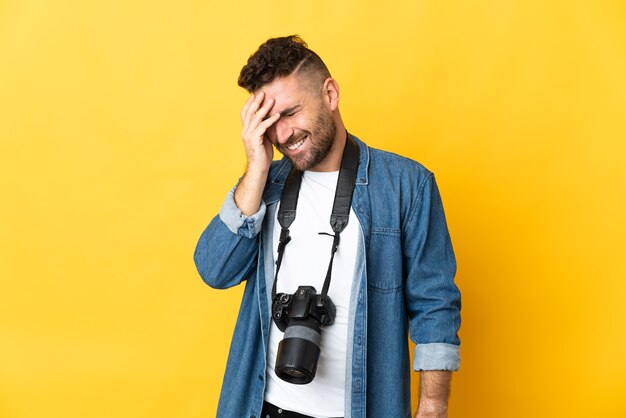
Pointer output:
x,y
119,137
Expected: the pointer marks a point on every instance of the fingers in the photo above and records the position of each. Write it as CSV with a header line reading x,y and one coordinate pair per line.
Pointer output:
x,y
260,114
252,107
254,117
257,129
255,121
246,106
269,121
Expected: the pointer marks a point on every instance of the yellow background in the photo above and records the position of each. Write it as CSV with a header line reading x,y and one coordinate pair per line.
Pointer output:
x,y
119,138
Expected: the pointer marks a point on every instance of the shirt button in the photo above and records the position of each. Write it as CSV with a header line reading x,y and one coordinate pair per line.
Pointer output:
x,y
261,377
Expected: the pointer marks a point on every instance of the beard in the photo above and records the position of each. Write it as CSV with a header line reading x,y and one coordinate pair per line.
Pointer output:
x,y
320,137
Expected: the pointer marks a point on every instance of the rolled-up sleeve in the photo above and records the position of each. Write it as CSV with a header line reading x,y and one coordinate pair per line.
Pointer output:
x,y
237,222
227,249
436,356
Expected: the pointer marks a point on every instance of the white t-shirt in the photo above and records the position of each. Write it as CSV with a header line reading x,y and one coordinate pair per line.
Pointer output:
x,y
305,263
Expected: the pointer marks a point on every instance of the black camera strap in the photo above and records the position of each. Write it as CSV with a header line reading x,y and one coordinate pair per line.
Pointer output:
x,y
341,206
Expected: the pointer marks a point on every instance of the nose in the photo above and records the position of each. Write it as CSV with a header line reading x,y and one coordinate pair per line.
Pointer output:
x,y
281,130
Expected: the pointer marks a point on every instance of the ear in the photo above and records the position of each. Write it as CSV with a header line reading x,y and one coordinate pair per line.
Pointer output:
x,y
331,93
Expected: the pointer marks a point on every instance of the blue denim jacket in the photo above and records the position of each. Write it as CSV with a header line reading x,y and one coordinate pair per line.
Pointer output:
x,y
404,281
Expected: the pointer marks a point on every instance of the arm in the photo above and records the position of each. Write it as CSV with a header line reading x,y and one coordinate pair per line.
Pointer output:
x,y
259,152
433,301
434,393
226,252
227,249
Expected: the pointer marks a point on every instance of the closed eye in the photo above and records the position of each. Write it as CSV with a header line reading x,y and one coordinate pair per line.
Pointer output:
x,y
290,111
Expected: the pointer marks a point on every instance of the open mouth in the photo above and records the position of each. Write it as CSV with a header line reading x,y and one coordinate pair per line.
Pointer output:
x,y
297,145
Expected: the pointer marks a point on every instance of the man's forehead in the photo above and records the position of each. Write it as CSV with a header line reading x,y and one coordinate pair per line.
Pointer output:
x,y
287,92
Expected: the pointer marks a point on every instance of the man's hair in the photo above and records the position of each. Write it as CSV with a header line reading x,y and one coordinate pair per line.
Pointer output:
x,y
280,57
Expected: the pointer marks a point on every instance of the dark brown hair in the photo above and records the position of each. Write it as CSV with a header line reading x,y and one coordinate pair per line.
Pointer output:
x,y
280,57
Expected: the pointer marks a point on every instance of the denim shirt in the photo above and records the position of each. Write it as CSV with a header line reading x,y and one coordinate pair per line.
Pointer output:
x,y
404,283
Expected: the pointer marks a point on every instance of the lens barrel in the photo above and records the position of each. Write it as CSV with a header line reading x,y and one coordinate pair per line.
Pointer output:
x,y
298,352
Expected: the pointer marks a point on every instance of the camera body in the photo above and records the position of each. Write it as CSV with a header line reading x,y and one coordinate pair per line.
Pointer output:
x,y
304,303
300,316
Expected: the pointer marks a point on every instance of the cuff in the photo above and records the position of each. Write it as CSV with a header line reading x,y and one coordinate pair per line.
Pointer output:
x,y
436,356
237,222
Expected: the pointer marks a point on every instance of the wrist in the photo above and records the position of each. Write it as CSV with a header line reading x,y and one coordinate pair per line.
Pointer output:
x,y
421,414
432,408
256,175
249,191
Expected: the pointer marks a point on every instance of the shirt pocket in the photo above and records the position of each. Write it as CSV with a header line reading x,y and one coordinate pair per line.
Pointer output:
x,y
384,263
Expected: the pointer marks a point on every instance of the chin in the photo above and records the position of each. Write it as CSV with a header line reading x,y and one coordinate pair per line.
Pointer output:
x,y
300,166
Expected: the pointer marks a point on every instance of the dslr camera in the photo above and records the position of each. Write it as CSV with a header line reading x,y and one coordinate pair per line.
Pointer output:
x,y
300,316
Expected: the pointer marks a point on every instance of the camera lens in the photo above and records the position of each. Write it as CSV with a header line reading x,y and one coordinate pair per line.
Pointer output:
x,y
298,352
293,372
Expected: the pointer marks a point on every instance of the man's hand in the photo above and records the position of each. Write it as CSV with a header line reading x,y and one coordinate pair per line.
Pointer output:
x,y
259,152
434,392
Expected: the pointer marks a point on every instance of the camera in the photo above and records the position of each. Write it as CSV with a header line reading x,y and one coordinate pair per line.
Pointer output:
x,y
300,316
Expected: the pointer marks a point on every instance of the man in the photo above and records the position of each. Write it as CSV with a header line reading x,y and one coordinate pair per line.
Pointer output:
x,y
393,270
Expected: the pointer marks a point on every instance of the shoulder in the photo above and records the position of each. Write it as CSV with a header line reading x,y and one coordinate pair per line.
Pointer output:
x,y
388,167
383,157
395,185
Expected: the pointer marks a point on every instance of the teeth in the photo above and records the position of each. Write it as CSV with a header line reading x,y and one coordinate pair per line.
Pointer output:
x,y
296,145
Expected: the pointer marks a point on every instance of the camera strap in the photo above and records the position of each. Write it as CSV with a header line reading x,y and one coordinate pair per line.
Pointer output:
x,y
341,206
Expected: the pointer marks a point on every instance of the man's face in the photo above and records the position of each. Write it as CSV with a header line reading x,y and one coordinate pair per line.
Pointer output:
x,y
306,129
